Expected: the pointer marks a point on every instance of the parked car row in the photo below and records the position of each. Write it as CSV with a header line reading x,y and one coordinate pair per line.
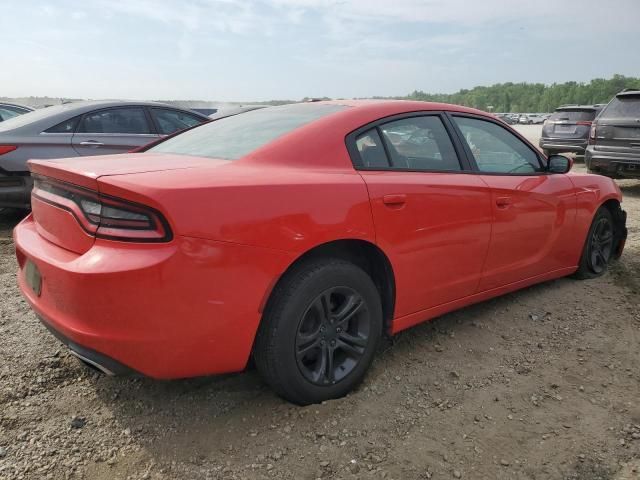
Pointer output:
x,y
523,118
608,135
80,129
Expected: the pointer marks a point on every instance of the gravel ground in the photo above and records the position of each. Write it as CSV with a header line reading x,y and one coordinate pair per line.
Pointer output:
x,y
539,384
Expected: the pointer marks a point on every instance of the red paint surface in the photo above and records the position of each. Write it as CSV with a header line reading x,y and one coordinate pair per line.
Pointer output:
x,y
192,306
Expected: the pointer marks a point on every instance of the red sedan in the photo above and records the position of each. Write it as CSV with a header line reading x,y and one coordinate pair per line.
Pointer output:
x,y
299,235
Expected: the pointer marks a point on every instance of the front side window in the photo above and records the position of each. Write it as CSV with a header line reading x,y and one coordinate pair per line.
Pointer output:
x,y
420,143
495,149
115,120
169,121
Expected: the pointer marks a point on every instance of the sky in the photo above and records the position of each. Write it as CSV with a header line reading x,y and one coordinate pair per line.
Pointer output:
x,y
245,50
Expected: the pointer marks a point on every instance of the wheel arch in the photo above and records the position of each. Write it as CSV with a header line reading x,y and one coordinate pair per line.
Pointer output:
x,y
362,253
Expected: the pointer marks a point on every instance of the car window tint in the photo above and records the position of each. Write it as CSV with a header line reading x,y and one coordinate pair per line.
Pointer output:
x,y
115,120
68,126
371,150
573,115
623,106
169,121
233,137
495,149
420,143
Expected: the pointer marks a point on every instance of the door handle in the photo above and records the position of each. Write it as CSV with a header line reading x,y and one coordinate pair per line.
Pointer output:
x,y
92,143
395,200
503,202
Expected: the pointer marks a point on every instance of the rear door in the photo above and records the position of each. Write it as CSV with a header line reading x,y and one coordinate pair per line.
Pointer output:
x,y
432,217
618,126
533,211
113,130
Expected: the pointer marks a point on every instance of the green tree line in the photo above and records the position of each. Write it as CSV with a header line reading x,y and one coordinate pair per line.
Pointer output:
x,y
533,97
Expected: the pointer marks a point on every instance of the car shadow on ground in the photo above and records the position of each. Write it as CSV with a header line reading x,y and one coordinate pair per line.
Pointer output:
x,y
236,406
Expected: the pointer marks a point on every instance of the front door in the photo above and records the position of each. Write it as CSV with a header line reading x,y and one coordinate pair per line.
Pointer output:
x,y
533,211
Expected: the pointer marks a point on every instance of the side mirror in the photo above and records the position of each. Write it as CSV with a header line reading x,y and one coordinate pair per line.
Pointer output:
x,y
559,164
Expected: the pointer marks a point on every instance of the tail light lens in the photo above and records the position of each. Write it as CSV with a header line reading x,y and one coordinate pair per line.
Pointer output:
x,y
102,215
588,124
592,134
7,148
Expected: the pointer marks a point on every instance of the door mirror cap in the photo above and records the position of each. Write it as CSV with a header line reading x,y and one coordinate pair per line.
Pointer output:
x,y
559,164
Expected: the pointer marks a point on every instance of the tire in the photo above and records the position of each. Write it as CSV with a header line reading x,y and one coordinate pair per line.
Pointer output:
x,y
297,339
598,246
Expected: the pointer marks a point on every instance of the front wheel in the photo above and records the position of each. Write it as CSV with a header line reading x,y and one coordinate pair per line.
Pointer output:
x,y
598,247
319,332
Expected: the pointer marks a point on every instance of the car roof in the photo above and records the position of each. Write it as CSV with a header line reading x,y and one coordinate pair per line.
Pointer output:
x,y
324,139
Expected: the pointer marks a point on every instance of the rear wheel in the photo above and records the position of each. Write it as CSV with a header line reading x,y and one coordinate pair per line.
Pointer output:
x,y
598,248
319,332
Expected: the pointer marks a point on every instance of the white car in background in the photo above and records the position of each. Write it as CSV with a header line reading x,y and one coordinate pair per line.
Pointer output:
x,y
531,119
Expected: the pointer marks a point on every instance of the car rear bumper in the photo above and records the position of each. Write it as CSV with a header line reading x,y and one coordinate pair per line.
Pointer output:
x,y
613,165
15,190
558,145
187,308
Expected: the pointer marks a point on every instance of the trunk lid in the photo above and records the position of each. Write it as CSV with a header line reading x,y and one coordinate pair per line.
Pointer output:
x,y
55,206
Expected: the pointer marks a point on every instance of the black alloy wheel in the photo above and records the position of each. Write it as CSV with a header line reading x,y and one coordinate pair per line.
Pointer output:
x,y
320,330
332,336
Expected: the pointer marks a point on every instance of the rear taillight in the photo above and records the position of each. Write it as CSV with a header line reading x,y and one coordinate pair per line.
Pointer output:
x,y
7,148
587,124
592,134
102,215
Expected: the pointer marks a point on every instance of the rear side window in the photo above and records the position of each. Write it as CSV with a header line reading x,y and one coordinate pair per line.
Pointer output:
x,y
573,115
115,120
68,126
234,137
420,143
169,121
623,106
371,150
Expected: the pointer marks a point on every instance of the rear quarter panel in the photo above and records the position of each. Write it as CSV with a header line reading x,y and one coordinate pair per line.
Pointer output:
x,y
266,206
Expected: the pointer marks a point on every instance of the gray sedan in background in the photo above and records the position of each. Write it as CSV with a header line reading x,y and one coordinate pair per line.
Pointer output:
x,y
80,129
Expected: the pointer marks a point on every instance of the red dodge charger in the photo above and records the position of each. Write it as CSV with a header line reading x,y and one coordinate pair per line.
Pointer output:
x,y
298,235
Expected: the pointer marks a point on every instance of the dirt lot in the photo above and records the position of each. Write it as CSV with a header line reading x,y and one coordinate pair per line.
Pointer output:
x,y
540,384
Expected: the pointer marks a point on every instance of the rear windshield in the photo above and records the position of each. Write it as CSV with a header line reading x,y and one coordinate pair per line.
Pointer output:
x,y
624,106
573,115
234,137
